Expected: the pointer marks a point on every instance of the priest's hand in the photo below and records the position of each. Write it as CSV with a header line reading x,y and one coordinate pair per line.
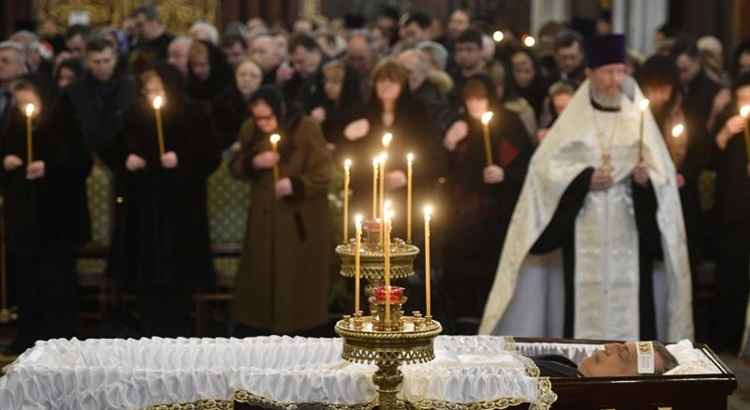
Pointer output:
x,y
640,174
680,181
455,134
134,163
318,114
283,187
35,170
493,174
12,162
395,180
265,160
600,181
169,160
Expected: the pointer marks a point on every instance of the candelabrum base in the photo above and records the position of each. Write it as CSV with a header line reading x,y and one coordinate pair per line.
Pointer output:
x,y
412,342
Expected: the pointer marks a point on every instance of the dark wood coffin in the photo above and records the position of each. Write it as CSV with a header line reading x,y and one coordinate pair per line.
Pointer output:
x,y
693,392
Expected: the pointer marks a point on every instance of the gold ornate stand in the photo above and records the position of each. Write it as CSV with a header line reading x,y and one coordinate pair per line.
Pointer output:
x,y
369,338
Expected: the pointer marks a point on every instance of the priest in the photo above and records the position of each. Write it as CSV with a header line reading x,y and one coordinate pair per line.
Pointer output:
x,y
604,192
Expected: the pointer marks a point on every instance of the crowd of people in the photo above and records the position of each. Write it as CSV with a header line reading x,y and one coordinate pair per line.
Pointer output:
x,y
331,89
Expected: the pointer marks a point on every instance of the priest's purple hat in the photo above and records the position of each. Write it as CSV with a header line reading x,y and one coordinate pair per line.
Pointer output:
x,y
606,49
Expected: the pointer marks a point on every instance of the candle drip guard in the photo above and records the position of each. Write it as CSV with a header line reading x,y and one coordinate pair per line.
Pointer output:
x,y
368,338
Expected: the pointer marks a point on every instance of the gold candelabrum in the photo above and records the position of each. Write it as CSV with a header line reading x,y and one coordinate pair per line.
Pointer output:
x,y
392,340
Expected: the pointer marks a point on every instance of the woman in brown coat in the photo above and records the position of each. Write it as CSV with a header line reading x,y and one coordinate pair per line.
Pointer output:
x,y
282,282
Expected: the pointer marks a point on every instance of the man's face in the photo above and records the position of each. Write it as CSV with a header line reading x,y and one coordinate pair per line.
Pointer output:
x,y
468,55
560,101
417,71
457,24
413,34
234,53
303,26
569,58
263,52
101,64
305,61
688,68
616,360
523,69
177,55
248,78
358,55
11,67
76,45
607,79
387,25
264,117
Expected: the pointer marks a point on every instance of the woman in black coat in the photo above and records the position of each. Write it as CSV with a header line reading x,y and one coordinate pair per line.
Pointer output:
x,y
45,215
166,238
733,212
341,104
209,73
481,198
230,110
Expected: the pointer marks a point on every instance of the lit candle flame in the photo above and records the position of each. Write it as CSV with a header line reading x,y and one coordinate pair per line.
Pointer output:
x,y
382,158
387,138
427,211
643,105
529,41
347,163
745,111
487,117
498,36
275,138
677,130
410,157
388,205
358,221
158,102
30,108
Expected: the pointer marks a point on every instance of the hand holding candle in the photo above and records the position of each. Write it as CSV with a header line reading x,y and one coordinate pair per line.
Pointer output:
x,y
357,258
158,102
745,113
29,109
347,168
275,138
428,288
409,177
486,118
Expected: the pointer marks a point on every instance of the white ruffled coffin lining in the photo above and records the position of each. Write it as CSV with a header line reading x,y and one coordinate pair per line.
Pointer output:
x,y
134,374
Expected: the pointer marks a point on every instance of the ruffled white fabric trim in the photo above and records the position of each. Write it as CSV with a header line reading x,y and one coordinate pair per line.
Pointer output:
x,y
132,374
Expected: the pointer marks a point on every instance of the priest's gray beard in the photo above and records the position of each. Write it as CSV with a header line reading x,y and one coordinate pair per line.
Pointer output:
x,y
606,101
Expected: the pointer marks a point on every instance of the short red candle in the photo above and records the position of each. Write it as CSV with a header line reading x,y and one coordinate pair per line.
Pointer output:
x,y
396,293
